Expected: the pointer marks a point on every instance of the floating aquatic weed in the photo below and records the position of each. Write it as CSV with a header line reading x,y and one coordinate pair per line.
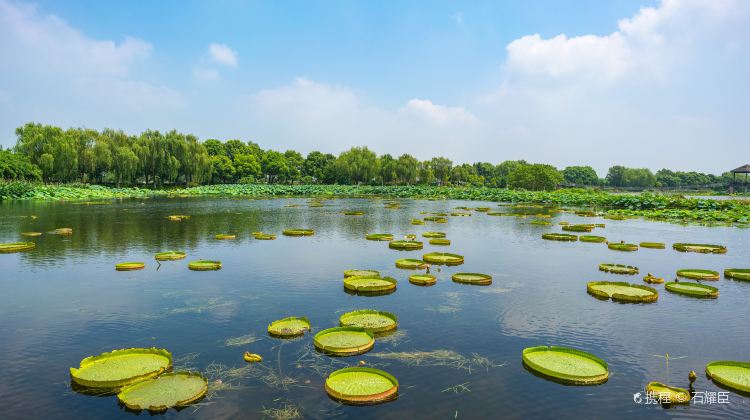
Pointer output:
x,y
298,232
405,245
559,237
170,256
361,386
422,279
565,364
650,278
318,362
198,306
619,246
692,289
118,368
369,319
187,361
623,292
130,266
737,273
458,389
667,394
289,327
440,241
698,274
242,340
286,411
204,265
618,268
370,284
443,258
361,273
441,357
652,245
472,278
16,247
169,390
379,237
592,238
433,235
344,341
732,374
225,236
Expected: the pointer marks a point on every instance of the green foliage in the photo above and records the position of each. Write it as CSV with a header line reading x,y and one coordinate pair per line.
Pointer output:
x,y
18,167
620,176
580,175
535,177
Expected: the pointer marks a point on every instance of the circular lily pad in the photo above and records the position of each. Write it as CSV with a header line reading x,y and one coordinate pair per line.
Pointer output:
x,y
472,278
666,394
370,320
559,237
225,236
410,237
440,241
17,247
298,232
702,248
422,279
697,274
623,247
433,235
63,231
344,341
650,278
692,289
31,234
621,291
379,237
461,214
354,213
443,258
540,223
289,327
578,228
369,284
178,217
264,236
405,245
409,263
735,375
737,273
566,364
436,219
592,238
204,265
361,273
361,386
118,368
416,222
169,390
170,256
618,268
653,245
130,266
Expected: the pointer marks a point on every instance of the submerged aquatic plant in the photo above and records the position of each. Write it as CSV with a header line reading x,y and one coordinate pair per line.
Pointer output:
x,y
441,357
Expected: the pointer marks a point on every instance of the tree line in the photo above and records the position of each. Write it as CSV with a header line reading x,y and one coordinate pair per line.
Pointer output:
x,y
52,154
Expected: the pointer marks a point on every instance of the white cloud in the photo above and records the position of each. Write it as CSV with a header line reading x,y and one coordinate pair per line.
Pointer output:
x,y
222,54
437,114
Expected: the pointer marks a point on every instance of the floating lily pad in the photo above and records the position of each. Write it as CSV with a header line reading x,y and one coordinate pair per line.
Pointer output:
x,y
559,237
354,213
31,234
436,219
540,223
460,214
623,247
118,368
225,236
170,256
370,320
416,222
289,327
653,245
592,238
252,357
482,209
697,274
618,268
63,231
440,241
578,228
650,278
130,266
692,289
433,235
379,237
344,341
369,284
169,390
566,364
666,394
702,248
409,263
621,291
737,273
361,386
17,247
178,217
472,278
422,279
361,273
264,236
204,265
405,245
298,232
410,236
443,258
732,374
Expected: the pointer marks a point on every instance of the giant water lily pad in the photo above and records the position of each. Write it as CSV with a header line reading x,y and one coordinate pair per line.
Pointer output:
x,y
170,256
204,265
379,237
702,248
130,266
440,241
566,364
409,263
169,390
692,289
405,245
472,278
622,291
264,236
118,368
361,273
17,247
433,235
344,341
298,232
422,279
369,319
732,374
225,236
361,386
666,394
436,219
292,326
618,268
63,231
592,238
737,273
565,237
653,245
619,246
698,274
369,284
31,234
443,258
578,228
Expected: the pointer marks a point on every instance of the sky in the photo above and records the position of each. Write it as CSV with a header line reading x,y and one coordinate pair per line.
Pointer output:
x,y
631,82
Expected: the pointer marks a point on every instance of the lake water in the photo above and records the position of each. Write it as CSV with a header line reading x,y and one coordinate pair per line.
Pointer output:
x,y
64,301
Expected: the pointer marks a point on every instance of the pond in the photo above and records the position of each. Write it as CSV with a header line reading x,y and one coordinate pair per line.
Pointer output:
x,y
457,350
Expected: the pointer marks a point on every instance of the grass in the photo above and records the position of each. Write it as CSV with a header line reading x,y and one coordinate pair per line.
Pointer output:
x,y
446,358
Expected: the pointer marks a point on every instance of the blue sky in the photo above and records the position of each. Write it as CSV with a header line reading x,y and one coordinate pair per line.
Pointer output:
x,y
641,83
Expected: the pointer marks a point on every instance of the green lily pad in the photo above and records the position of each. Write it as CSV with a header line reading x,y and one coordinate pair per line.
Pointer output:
x,y
204,265
170,256
298,232
354,213
622,291
416,222
409,263
63,231
264,236
623,247
369,319
379,237
169,390
565,237
592,238
653,245
433,235
692,289
16,247
225,237
735,375
405,245
443,258
422,279
369,284
540,223
289,327
578,228
698,274
618,268
344,341
118,368
737,273
31,234
361,273
650,278
472,278
440,241
566,364
361,386
436,219
702,248
130,266
666,394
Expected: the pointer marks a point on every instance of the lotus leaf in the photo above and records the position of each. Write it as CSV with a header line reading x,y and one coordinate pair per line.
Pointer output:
x,y
361,386
405,245
622,291
737,273
369,284
653,245
118,368
289,327
298,232
204,265
618,268
130,266
169,390
169,256
560,237
433,235
17,247
566,364
666,394
369,319
422,279
732,374
409,263
697,274
361,273
344,341
443,258
692,289
379,237
592,238
702,248
623,247
472,278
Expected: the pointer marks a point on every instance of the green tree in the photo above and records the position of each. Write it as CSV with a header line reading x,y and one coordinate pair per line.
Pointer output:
x,y
295,164
441,167
274,165
580,175
317,165
503,170
357,165
388,166
17,167
407,169
248,168
536,177
222,169
465,174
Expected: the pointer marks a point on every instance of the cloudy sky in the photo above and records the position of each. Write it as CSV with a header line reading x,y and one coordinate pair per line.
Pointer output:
x,y
634,82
